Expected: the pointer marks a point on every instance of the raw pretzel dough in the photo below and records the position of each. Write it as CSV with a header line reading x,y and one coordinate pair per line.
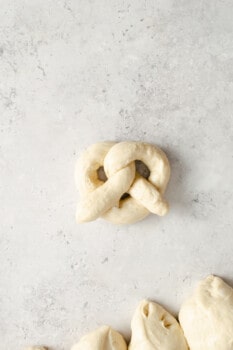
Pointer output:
x,y
103,199
154,328
207,317
104,338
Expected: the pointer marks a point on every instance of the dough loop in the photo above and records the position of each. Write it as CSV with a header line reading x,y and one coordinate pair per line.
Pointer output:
x,y
103,199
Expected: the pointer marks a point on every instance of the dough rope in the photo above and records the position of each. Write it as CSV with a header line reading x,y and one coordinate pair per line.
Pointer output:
x,y
103,199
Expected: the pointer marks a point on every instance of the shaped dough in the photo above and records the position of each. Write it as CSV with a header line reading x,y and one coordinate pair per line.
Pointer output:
x,y
207,317
104,338
153,328
104,199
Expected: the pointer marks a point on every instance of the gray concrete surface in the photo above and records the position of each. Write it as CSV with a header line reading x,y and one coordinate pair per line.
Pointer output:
x,y
75,72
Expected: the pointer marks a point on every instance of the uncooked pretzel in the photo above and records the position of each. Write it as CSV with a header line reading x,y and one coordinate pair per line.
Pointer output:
x,y
103,199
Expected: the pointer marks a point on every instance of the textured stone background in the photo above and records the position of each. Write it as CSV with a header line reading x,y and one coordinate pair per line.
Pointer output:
x,y
78,71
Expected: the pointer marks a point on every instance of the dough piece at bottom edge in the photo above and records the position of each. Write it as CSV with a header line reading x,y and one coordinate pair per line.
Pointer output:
x,y
36,348
154,328
207,316
103,338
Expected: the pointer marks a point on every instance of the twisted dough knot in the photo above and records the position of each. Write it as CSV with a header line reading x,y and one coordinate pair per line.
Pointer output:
x,y
103,199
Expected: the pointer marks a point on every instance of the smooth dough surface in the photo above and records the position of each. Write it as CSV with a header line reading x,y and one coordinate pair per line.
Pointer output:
x,y
103,199
207,317
104,338
154,328
35,348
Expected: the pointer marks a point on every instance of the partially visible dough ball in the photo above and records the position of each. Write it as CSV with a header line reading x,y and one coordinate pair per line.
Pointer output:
x,y
153,328
207,317
104,338
36,348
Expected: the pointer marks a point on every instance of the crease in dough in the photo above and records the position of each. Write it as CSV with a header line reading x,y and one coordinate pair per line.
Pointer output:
x,y
154,328
207,317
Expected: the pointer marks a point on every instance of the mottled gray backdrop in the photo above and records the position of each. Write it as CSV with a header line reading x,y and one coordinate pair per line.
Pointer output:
x,y
73,72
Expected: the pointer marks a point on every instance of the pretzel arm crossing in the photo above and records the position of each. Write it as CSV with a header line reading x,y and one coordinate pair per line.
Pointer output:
x,y
103,199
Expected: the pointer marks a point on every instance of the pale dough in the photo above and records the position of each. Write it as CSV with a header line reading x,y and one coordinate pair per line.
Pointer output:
x,y
104,338
35,348
154,328
207,317
103,199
